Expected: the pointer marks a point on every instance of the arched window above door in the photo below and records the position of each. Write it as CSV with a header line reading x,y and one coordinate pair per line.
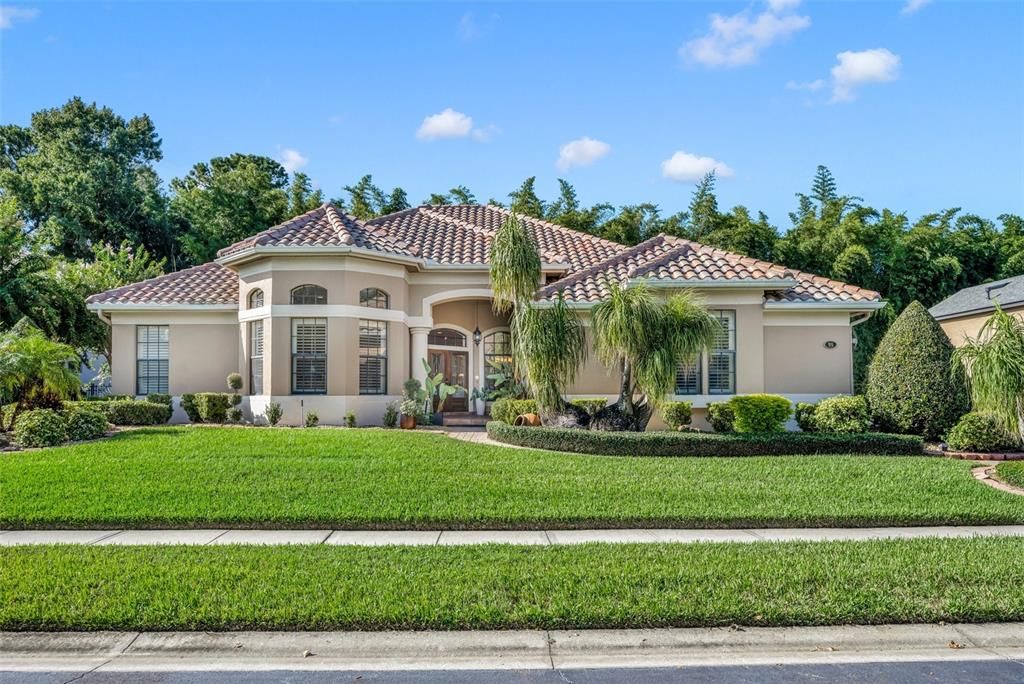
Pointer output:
x,y
256,298
446,337
373,297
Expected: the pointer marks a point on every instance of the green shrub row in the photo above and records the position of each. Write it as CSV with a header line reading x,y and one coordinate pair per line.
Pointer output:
x,y
212,407
46,427
129,412
703,444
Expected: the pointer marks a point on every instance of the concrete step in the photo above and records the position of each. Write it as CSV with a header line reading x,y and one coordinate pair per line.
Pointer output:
x,y
464,420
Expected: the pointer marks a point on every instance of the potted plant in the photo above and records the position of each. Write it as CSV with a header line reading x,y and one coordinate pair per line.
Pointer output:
x,y
410,409
436,389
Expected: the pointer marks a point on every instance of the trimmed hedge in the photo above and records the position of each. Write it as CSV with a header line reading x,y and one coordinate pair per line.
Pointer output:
x,y
213,406
704,444
128,412
40,428
84,422
978,431
677,414
721,416
760,412
159,399
843,414
506,410
912,387
188,405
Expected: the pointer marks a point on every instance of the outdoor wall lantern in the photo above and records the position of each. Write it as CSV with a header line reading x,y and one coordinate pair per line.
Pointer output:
x,y
476,336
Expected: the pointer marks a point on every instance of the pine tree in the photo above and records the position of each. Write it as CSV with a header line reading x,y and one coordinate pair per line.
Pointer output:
x,y
704,216
525,201
823,189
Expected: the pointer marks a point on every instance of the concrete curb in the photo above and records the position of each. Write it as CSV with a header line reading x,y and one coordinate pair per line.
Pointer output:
x,y
218,537
488,650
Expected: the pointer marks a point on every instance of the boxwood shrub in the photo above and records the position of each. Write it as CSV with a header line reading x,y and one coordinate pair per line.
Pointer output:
x,y
979,431
84,421
188,405
213,406
159,398
677,414
760,412
40,428
843,414
721,416
702,443
129,412
805,416
506,410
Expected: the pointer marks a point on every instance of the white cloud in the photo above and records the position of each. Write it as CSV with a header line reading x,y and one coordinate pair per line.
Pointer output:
x,y
471,28
817,84
446,124
858,68
452,124
738,39
292,161
581,152
913,5
684,167
11,15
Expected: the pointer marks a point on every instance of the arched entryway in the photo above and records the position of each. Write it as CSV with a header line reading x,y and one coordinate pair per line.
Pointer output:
x,y
448,354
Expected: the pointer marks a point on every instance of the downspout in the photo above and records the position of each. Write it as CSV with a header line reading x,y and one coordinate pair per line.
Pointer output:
x,y
854,322
110,341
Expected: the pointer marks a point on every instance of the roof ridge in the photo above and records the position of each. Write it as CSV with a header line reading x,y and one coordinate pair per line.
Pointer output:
x,y
549,224
344,234
573,278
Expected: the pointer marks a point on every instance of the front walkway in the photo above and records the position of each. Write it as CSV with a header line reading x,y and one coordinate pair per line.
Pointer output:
x,y
462,537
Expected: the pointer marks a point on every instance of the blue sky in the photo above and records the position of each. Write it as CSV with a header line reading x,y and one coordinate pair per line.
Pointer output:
x,y
914,107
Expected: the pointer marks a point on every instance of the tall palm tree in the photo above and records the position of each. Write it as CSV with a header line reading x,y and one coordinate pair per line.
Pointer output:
x,y
994,362
647,339
547,340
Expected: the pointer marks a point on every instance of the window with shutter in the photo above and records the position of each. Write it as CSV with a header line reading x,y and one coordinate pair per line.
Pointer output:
x,y
688,377
373,357
309,356
256,357
722,361
152,356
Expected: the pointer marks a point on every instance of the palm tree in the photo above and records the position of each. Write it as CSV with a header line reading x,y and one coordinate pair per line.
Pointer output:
x,y
547,340
647,339
35,370
994,362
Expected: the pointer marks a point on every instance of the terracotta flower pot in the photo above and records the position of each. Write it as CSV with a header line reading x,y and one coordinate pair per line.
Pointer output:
x,y
528,420
407,422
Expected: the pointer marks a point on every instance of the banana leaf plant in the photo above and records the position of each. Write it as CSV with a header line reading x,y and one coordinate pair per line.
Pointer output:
x,y
435,386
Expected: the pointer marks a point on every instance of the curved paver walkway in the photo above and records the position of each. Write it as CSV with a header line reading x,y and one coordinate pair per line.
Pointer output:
x,y
462,537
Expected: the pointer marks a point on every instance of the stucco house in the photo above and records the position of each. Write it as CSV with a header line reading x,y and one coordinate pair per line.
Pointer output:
x,y
329,313
962,314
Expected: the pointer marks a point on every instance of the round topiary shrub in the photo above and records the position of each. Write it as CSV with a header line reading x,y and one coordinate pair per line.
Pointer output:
x,y
720,416
912,387
760,412
842,414
805,416
677,414
85,422
40,428
979,431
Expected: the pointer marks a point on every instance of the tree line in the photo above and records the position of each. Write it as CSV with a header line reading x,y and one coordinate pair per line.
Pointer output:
x,y
82,209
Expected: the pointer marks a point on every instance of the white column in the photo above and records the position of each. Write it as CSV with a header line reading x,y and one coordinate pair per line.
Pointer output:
x,y
419,351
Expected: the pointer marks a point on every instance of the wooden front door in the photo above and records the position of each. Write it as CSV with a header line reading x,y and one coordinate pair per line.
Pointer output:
x,y
454,367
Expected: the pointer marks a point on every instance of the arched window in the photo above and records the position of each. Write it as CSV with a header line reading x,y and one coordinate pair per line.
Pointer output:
x,y
373,297
309,294
446,337
256,298
497,357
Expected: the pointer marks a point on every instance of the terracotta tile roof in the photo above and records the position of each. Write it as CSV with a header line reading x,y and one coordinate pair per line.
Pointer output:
x,y
324,226
207,284
665,257
461,234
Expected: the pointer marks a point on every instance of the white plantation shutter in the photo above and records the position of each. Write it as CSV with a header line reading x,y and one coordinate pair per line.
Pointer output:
x,y
722,362
688,377
152,357
373,357
256,357
309,355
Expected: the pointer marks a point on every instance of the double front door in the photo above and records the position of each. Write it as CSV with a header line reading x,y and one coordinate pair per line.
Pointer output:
x,y
454,367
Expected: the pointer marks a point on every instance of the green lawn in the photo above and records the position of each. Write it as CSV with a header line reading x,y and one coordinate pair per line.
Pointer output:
x,y
1011,472
195,477
490,587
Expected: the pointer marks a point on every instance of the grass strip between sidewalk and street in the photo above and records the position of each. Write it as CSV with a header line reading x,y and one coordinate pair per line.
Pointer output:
x,y
506,587
180,477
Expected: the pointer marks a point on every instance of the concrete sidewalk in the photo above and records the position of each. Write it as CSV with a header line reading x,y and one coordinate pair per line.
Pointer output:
x,y
95,652
462,537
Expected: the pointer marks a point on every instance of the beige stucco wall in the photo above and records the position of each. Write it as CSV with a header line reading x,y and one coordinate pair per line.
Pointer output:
x,y
796,360
959,329
201,355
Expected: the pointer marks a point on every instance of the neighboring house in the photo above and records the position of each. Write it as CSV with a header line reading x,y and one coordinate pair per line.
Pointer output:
x,y
962,314
329,313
